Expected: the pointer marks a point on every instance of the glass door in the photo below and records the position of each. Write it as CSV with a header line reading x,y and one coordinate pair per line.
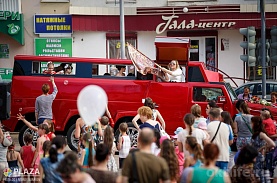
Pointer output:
x,y
197,47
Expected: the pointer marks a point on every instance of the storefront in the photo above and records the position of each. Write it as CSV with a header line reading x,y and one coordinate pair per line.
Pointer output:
x,y
214,34
12,35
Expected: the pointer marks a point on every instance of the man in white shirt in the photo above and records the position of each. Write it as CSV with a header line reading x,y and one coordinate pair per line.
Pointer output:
x,y
219,134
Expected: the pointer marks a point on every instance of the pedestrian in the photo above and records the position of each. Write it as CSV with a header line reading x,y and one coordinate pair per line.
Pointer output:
x,y
168,153
46,147
190,131
180,155
71,171
49,165
242,171
43,104
88,153
196,111
211,104
142,165
261,142
156,146
273,97
99,172
109,141
13,158
4,143
209,172
155,113
242,124
246,94
42,132
145,114
124,143
269,125
219,135
48,122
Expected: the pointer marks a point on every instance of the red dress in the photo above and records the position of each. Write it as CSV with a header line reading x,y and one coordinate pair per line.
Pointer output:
x,y
269,126
27,156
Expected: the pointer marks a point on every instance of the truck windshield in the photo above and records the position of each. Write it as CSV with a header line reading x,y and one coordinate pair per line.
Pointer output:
x,y
231,92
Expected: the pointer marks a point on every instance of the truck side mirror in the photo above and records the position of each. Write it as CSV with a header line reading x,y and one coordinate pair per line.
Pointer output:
x,y
221,99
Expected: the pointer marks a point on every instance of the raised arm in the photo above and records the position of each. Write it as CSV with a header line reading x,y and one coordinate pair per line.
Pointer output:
x,y
78,124
55,89
27,123
161,119
268,140
134,121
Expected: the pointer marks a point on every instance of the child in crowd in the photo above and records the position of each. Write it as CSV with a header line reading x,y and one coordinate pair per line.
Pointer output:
x,y
88,152
46,147
155,146
109,141
50,68
104,122
168,153
48,122
194,159
202,125
42,132
196,111
27,151
13,158
124,143
49,165
180,155
268,123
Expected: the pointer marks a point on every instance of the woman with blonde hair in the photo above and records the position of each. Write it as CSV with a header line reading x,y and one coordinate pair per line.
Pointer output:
x,y
196,111
174,73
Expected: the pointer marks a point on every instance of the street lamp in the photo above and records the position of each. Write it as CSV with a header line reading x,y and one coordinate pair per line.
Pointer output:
x,y
122,30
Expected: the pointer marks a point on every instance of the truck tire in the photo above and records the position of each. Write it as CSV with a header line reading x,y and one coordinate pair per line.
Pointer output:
x,y
71,140
132,131
25,130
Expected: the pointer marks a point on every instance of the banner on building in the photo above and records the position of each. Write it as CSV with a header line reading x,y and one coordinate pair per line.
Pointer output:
x,y
52,24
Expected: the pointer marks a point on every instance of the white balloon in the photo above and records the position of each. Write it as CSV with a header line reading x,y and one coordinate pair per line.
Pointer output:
x,y
91,102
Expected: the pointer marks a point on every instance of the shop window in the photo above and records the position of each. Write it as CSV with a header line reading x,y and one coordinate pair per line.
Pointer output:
x,y
210,54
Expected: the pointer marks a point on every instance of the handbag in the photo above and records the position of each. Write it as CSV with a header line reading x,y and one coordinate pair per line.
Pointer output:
x,y
234,145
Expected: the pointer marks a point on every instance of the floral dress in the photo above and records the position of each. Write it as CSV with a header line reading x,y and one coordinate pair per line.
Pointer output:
x,y
112,166
258,143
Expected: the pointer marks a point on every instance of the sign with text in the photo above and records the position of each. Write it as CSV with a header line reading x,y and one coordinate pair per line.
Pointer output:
x,y
4,51
6,74
59,47
52,24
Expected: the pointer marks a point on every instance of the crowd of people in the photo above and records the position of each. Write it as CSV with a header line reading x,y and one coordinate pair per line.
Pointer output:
x,y
199,151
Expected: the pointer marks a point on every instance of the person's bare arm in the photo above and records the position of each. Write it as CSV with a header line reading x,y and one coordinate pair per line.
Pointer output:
x,y
189,178
36,152
270,143
78,124
36,116
134,121
20,160
161,119
108,112
40,173
1,136
27,123
81,159
180,146
119,145
124,179
227,178
99,129
235,126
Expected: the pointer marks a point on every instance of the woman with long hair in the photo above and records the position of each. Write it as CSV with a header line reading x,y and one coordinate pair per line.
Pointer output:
x,y
168,153
242,124
109,141
209,172
260,141
48,165
173,73
196,111
190,131
155,113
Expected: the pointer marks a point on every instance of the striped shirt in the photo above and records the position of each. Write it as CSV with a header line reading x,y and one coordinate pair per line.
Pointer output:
x,y
43,105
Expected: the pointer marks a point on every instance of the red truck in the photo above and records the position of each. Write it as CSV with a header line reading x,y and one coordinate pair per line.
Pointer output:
x,y
125,94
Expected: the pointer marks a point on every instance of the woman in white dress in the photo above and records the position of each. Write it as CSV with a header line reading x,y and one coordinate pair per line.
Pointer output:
x,y
174,73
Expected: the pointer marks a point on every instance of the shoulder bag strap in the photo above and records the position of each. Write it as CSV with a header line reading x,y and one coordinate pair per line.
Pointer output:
x,y
216,131
135,171
213,175
246,124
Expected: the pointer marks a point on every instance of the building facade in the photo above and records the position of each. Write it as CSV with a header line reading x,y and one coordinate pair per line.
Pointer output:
x,y
213,27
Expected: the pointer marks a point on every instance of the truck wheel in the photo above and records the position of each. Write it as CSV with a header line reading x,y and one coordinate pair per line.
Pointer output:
x,y
71,140
132,132
25,130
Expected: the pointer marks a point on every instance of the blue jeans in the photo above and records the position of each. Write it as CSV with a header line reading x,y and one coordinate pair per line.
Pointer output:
x,y
222,165
41,120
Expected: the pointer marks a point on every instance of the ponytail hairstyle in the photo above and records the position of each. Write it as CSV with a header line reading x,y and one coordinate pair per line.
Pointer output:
x,y
88,140
189,121
168,153
109,138
149,103
46,147
57,143
195,147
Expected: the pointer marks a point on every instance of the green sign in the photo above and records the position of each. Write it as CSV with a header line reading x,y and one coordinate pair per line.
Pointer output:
x,y
59,47
6,74
12,24
4,51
